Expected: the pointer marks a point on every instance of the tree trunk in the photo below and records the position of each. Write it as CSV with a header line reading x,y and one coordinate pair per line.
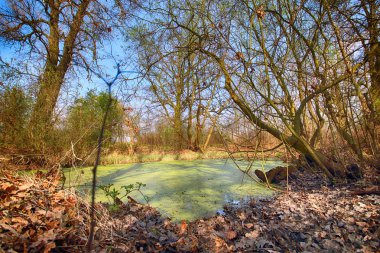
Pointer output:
x,y
55,68
374,53
178,127
40,122
198,128
374,67
190,129
330,168
294,140
47,96
209,134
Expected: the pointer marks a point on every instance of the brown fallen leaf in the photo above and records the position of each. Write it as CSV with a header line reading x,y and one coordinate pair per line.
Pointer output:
x,y
219,243
249,225
361,224
231,235
52,224
49,246
20,220
23,187
8,187
7,227
22,194
242,216
183,227
71,200
58,196
220,219
254,234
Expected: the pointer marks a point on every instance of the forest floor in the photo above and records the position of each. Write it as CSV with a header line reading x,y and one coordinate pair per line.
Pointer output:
x,y
37,215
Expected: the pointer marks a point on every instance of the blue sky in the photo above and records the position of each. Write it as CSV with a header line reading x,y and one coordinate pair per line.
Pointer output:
x,y
111,52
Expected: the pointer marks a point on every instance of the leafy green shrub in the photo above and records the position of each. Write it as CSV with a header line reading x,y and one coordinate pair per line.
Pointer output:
x,y
85,119
14,116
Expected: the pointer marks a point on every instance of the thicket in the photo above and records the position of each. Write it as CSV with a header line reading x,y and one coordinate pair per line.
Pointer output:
x,y
73,139
84,121
14,116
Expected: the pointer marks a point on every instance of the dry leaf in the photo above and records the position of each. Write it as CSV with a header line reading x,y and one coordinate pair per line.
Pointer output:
x,y
52,224
231,235
249,225
8,187
49,246
220,219
20,220
361,224
260,12
242,216
25,186
254,234
183,227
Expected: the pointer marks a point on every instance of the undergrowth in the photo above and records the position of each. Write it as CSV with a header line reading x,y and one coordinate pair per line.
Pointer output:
x,y
117,196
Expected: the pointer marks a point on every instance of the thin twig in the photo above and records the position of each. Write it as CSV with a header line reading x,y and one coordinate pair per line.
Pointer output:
x,y
100,140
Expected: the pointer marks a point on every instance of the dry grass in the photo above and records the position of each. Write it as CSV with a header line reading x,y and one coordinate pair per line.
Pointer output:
x,y
156,156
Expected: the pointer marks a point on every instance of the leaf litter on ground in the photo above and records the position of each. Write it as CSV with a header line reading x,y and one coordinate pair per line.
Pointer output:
x,y
37,215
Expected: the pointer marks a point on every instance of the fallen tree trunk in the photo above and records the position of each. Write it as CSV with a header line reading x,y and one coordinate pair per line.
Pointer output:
x,y
276,175
370,190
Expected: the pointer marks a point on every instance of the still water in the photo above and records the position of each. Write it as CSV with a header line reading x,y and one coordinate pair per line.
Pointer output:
x,y
179,189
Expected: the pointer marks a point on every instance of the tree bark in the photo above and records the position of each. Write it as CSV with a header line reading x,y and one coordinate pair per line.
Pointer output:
x,y
178,127
294,140
374,54
47,97
55,68
198,127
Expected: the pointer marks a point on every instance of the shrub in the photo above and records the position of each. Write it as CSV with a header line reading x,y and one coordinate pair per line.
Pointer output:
x,y
85,120
14,115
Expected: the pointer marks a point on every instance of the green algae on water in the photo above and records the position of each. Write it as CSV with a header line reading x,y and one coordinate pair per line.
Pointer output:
x,y
182,190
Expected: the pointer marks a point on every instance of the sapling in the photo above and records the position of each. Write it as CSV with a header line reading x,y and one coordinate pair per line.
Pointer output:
x,y
116,195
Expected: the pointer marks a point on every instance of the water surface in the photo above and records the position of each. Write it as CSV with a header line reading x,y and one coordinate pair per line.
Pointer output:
x,y
179,189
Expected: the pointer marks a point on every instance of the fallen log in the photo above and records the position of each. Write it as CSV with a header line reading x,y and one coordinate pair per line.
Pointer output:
x,y
375,190
276,175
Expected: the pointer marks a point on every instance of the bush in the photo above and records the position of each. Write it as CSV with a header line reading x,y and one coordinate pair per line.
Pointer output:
x,y
85,120
14,116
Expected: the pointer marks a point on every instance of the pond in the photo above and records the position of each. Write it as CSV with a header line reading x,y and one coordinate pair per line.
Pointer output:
x,y
182,190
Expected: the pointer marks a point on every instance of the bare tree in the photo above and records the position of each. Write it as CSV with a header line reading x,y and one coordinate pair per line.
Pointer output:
x,y
182,83
281,62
